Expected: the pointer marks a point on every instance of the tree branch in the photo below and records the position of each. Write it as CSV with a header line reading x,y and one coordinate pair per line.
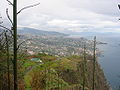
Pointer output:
x,y
8,16
4,27
22,43
27,7
22,54
7,29
10,3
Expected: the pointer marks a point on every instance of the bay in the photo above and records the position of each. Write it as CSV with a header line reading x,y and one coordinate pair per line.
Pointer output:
x,y
110,58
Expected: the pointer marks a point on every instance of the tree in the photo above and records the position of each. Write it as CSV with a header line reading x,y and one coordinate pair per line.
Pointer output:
x,y
15,43
4,50
13,31
5,42
8,59
84,67
94,62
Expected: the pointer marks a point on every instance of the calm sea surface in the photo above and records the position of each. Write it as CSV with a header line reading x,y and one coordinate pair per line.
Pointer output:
x,y
110,61
110,58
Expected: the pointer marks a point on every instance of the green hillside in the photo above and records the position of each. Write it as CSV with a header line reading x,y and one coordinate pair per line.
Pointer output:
x,y
61,73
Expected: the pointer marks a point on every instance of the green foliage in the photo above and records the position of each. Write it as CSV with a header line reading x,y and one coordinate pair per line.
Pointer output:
x,y
28,64
64,73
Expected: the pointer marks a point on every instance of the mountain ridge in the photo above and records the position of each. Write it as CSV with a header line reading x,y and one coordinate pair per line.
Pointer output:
x,y
27,30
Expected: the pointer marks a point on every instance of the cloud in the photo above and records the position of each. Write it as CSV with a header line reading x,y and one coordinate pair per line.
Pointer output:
x,y
108,7
69,15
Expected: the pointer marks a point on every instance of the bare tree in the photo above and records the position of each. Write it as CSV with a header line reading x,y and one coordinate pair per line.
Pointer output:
x,y
94,62
84,67
15,43
8,59
13,31
5,40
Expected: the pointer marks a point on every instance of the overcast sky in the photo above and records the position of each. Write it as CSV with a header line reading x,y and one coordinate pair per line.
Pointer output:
x,y
68,15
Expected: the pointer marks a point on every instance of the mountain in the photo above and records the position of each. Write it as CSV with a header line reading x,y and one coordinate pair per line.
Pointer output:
x,y
26,30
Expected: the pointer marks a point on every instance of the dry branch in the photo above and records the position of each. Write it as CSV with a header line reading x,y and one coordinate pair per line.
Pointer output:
x,y
10,3
27,7
119,6
4,27
22,43
9,16
7,29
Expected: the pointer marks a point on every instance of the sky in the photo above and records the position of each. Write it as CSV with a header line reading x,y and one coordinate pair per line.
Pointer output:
x,y
67,15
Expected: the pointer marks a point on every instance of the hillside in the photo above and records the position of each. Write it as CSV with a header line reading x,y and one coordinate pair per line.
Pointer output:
x,y
26,30
53,42
65,73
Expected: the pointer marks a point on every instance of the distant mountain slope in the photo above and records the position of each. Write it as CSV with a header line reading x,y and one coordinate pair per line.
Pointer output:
x,y
27,30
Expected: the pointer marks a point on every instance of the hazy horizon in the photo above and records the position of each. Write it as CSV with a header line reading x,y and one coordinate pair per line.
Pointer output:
x,y
67,16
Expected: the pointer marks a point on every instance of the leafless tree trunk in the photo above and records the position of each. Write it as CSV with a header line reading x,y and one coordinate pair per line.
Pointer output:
x,y
14,34
15,43
94,62
84,67
8,58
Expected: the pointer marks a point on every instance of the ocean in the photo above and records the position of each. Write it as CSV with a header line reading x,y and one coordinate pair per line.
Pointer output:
x,y
109,58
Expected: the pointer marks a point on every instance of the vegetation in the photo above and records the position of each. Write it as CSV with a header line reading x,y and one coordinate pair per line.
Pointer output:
x,y
53,73
63,73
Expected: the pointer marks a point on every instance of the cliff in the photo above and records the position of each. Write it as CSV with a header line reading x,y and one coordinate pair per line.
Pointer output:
x,y
65,73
